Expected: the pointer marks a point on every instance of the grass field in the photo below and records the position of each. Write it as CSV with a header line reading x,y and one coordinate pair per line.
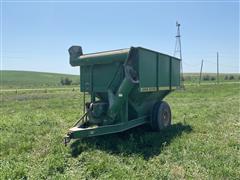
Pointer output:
x,y
202,143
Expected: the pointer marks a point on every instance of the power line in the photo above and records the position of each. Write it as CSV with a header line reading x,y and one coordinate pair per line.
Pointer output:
x,y
222,65
190,65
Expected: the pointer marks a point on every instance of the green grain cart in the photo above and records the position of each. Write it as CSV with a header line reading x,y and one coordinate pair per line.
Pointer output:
x,y
126,87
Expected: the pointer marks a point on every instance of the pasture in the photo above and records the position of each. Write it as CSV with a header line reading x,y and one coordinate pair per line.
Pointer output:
x,y
203,141
31,79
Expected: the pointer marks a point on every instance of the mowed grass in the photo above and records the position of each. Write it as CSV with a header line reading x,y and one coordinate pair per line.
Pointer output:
x,y
202,143
31,79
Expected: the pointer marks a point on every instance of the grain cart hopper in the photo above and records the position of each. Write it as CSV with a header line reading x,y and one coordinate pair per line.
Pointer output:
x,y
126,87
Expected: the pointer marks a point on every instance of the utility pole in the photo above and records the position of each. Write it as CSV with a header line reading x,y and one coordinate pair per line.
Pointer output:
x,y
217,69
200,76
178,49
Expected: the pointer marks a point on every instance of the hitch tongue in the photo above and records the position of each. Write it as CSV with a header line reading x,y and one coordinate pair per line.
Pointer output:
x,y
66,140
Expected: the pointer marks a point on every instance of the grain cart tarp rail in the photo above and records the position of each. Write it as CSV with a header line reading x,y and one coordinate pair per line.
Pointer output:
x,y
126,88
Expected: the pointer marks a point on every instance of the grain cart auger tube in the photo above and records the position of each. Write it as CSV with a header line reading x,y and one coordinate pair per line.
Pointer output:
x,y
126,88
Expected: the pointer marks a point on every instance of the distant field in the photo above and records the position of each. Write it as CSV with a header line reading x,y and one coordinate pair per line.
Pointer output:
x,y
27,79
35,80
193,78
202,143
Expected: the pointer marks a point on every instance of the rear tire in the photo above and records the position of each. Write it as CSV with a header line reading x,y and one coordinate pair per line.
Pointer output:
x,y
161,116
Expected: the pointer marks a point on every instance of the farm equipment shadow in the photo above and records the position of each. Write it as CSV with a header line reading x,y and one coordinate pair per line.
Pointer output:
x,y
140,140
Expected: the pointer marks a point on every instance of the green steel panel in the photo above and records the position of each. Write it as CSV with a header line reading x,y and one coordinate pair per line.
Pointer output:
x,y
147,70
103,75
163,72
85,78
175,72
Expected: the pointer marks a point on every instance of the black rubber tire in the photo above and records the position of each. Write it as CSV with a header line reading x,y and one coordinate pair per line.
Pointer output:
x,y
161,116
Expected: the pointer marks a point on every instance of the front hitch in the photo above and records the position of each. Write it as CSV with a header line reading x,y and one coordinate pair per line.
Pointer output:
x,y
66,140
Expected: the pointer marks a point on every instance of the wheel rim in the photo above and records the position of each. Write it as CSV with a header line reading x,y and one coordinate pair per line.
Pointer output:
x,y
161,116
165,117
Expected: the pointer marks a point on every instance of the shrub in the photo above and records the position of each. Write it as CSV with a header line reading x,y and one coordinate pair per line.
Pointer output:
x,y
213,78
231,77
226,77
66,81
206,78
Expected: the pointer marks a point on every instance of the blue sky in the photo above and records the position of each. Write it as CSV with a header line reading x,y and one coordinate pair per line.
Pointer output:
x,y
36,36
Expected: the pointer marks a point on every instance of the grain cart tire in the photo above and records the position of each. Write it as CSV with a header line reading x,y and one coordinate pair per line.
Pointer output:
x,y
161,116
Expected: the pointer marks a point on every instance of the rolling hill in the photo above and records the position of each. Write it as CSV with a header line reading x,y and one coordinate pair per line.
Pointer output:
x,y
30,79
